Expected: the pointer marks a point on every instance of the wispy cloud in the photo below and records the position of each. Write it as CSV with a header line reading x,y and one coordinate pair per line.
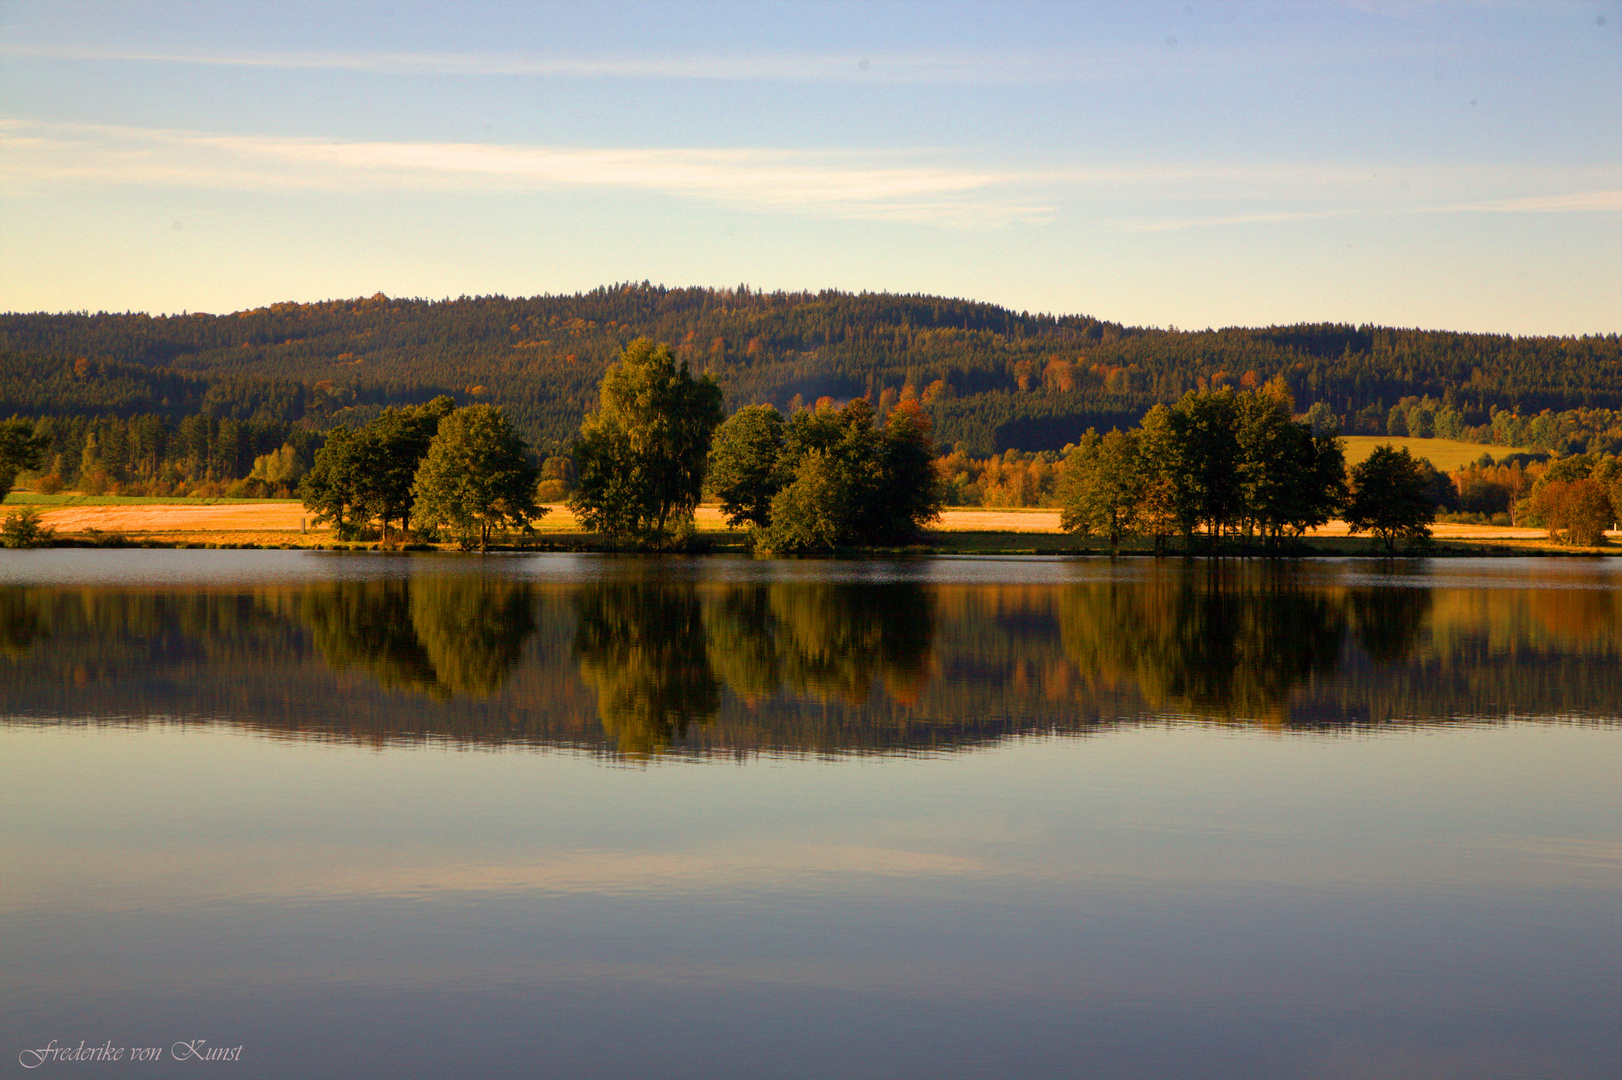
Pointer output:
x,y
943,66
869,186
911,186
1577,202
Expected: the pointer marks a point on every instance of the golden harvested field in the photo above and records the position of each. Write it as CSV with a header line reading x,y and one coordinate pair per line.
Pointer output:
x,y
178,518
1445,454
276,523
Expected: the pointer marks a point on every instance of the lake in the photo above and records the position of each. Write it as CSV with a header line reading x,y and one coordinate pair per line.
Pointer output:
x,y
361,815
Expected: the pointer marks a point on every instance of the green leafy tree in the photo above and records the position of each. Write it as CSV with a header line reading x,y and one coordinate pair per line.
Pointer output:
x,y
20,449
1290,479
1208,428
361,475
1389,498
851,483
1166,508
1102,487
334,488
744,467
641,456
394,445
476,477
819,509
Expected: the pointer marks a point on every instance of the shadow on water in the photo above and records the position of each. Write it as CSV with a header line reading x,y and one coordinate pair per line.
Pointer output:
x,y
641,666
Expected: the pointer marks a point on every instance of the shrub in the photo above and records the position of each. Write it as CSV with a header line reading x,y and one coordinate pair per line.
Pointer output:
x,y
23,530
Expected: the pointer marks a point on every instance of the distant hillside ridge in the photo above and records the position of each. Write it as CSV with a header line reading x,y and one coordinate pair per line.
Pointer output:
x,y
989,377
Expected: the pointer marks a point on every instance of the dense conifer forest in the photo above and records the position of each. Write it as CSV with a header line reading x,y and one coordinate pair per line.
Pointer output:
x,y
989,378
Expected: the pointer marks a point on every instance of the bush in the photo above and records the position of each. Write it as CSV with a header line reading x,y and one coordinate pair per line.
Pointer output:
x,y
23,530
49,484
1576,512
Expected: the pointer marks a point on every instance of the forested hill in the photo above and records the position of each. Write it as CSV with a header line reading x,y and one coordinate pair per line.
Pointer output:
x,y
990,378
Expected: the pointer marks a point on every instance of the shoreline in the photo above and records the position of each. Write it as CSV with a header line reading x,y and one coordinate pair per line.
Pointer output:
x,y
283,524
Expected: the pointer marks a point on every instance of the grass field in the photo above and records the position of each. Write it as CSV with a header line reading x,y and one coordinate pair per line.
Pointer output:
x,y
1445,454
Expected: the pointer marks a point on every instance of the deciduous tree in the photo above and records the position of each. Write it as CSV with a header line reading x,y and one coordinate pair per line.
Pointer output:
x,y
1103,487
743,466
1388,497
849,483
641,456
476,477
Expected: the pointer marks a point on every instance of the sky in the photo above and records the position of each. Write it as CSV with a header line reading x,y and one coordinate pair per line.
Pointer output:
x,y
1450,166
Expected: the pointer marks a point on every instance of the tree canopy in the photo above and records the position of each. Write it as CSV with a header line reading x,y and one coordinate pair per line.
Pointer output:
x,y
475,477
744,468
358,476
1230,463
829,477
1389,497
641,455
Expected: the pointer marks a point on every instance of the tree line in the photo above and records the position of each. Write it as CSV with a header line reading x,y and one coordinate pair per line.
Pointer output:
x,y
989,378
1217,461
147,454
1220,462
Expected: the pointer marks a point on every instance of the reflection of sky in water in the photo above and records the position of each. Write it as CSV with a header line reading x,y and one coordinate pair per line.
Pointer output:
x,y
1159,898
137,568
1446,899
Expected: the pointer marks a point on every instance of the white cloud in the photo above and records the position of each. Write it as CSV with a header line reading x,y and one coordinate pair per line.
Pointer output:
x,y
917,67
868,186
912,186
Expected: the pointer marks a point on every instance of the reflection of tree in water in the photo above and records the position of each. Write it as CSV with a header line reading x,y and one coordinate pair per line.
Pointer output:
x,y
834,640
473,629
1387,621
439,636
20,624
741,630
1204,644
1579,615
642,648
657,654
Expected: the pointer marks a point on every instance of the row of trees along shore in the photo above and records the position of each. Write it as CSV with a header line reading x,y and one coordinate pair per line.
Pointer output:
x,y
1222,463
204,456
823,478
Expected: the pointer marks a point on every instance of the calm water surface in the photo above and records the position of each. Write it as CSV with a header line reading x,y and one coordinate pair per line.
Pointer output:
x,y
568,816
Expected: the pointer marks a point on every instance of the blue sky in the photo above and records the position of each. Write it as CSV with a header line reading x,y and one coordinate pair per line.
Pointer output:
x,y
1449,166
